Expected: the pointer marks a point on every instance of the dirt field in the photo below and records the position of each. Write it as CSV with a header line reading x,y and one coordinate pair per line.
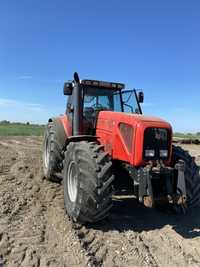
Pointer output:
x,y
34,230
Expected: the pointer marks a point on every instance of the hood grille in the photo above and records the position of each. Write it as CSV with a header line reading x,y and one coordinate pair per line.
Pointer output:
x,y
156,139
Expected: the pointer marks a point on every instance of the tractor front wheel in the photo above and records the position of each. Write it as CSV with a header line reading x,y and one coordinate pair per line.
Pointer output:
x,y
87,182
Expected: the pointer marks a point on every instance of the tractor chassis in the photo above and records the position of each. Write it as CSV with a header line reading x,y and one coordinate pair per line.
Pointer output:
x,y
160,184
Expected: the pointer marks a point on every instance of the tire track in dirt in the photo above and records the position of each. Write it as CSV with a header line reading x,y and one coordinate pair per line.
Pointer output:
x,y
157,239
33,229
114,243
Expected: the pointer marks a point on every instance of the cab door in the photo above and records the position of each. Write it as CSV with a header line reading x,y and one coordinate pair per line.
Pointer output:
x,y
131,102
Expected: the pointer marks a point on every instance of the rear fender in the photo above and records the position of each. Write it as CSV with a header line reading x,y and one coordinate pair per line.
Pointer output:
x,y
63,119
59,126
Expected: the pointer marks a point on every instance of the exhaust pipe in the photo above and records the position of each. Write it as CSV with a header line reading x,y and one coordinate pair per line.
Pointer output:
x,y
78,107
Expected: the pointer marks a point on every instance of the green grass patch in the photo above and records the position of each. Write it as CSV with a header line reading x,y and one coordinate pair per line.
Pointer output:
x,y
19,129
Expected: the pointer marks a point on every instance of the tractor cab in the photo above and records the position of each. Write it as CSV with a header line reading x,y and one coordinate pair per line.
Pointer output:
x,y
96,96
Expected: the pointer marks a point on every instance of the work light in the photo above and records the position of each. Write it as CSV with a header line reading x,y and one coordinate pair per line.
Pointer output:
x,y
149,153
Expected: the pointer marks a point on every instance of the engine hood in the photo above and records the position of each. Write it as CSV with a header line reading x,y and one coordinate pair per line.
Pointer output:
x,y
122,134
139,117
132,118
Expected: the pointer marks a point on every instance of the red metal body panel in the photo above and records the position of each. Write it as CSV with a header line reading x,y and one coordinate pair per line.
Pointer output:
x,y
109,134
66,124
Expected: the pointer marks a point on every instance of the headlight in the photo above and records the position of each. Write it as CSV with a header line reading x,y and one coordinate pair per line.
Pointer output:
x,y
149,153
163,153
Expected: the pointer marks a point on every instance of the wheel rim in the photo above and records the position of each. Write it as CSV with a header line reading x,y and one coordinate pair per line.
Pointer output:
x,y
72,181
47,153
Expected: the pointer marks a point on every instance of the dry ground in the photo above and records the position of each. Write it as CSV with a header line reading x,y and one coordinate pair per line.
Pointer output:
x,y
34,230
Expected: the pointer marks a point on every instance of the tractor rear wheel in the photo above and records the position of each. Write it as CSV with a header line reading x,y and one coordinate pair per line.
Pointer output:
x,y
54,140
192,175
87,182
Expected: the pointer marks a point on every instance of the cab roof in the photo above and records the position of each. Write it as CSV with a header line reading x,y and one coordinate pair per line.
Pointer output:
x,y
103,84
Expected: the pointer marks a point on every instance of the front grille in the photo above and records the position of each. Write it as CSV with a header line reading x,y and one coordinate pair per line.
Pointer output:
x,y
156,139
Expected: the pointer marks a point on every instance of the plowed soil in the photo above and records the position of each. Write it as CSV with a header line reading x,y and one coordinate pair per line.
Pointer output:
x,y
35,231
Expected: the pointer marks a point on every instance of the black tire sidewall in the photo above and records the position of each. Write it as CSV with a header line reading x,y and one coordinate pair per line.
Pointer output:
x,y
56,138
73,208
192,177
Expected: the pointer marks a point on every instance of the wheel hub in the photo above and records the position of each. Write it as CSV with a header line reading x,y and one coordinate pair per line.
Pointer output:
x,y
72,181
47,153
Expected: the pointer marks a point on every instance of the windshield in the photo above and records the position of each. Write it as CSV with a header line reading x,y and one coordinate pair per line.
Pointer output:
x,y
102,99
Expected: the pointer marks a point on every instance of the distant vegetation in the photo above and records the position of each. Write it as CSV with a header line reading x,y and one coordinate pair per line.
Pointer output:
x,y
187,135
20,129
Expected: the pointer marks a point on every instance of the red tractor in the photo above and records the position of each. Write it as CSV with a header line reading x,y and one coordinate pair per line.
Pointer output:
x,y
102,139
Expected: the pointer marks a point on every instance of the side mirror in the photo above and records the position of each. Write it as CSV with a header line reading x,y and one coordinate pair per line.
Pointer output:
x,y
140,97
67,89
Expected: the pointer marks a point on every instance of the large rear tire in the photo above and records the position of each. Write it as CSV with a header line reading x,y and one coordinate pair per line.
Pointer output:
x,y
192,175
54,141
87,182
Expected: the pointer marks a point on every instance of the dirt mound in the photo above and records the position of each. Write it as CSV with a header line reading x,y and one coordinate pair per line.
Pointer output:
x,y
34,230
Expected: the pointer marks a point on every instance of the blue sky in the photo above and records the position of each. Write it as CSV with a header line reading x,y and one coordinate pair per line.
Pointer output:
x,y
153,45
